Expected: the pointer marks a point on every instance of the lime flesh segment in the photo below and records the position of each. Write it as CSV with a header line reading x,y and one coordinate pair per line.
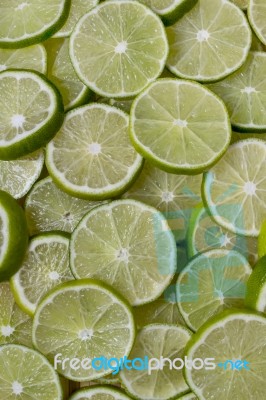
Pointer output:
x,y
15,325
231,335
99,393
174,195
256,16
256,287
243,94
262,240
33,57
234,189
91,156
211,282
118,48
157,341
32,112
83,318
48,208
34,379
124,243
18,176
30,22
210,42
180,126
45,266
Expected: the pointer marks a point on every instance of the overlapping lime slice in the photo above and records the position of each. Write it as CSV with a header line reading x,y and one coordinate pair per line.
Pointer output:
x,y
99,393
256,287
256,16
32,57
262,240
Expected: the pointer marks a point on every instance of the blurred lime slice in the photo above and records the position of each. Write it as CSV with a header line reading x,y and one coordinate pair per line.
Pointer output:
x,y
99,393
243,4
256,16
256,287
262,240
33,57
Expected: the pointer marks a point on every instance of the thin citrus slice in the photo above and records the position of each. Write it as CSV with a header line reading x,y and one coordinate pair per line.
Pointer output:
x,y
262,240
45,266
256,287
118,48
83,319
33,57
31,112
211,282
99,393
123,243
256,16
180,126
91,156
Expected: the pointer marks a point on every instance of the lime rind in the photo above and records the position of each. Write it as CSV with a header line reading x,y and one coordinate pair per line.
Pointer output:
x,y
256,287
262,240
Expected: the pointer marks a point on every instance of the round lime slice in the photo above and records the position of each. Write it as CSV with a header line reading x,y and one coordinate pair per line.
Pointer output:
x,y
32,112
15,325
210,42
235,188
26,374
124,243
32,57
23,23
211,282
83,319
256,287
256,16
262,240
47,265
91,156
180,126
13,236
236,341
99,393
156,341
118,48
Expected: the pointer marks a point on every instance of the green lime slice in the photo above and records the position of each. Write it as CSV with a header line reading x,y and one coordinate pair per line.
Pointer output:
x,y
77,9
18,176
234,335
170,10
13,236
122,104
256,287
211,282
99,393
210,42
156,341
180,126
256,16
63,75
262,240
126,45
33,57
174,195
243,4
23,23
31,112
205,234
234,189
83,319
26,374
48,208
15,325
124,243
47,265
243,94
91,156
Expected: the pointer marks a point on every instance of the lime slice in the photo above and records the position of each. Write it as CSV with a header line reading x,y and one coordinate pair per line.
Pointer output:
x,y
228,337
235,188
13,236
204,234
262,240
180,126
210,42
211,282
31,113
91,156
118,48
77,9
243,94
15,325
256,287
124,243
23,23
81,319
107,380
156,341
170,10
122,104
174,195
99,393
62,74
47,208
256,16
18,176
243,4
26,374
33,57
46,264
